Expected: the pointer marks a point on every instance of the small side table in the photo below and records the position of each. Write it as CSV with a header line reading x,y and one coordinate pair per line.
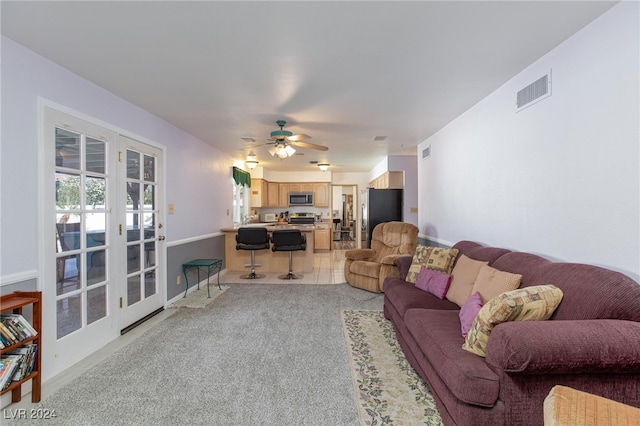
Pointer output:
x,y
210,264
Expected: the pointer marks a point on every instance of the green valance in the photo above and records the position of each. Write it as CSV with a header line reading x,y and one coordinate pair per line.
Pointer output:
x,y
241,177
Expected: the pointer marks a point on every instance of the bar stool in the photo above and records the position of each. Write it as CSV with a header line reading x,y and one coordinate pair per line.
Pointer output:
x,y
252,239
288,240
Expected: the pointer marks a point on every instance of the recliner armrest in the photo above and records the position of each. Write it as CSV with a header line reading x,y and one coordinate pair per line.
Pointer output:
x,y
359,254
391,259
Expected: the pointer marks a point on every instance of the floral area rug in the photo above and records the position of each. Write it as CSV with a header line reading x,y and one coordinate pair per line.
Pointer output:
x,y
388,390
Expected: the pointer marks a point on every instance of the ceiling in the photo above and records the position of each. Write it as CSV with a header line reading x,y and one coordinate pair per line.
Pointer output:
x,y
342,72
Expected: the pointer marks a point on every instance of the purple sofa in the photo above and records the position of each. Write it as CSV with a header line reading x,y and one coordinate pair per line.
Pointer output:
x,y
591,343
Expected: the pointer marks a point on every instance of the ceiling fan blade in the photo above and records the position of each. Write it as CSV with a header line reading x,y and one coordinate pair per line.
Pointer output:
x,y
295,138
310,145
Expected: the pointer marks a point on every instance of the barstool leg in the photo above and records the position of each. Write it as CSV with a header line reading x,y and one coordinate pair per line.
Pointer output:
x,y
290,275
252,275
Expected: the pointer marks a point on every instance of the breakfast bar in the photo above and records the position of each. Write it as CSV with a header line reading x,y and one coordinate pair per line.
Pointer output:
x,y
271,262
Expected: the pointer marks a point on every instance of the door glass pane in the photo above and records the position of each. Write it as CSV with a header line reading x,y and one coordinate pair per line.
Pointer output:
x,y
96,267
133,258
133,227
149,228
67,149
150,284
149,254
95,192
133,165
69,314
149,169
133,290
68,232
96,304
96,151
149,197
67,191
96,224
68,274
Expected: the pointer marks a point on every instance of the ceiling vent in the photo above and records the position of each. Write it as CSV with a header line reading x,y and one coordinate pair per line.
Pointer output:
x,y
426,153
535,92
379,138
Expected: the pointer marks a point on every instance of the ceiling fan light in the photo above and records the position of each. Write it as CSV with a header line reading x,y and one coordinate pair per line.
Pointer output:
x,y
289,150
323,166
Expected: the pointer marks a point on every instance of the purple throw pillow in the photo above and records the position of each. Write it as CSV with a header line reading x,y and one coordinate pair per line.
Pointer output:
x,y
436,283
469,312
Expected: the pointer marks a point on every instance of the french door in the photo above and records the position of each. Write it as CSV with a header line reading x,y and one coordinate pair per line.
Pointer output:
x,y
100,226
140,229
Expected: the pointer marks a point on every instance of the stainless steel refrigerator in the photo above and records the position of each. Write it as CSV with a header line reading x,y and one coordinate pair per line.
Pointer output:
x,y
379,205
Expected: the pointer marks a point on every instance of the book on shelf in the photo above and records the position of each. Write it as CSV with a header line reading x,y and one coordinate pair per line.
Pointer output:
x,y
9,365
15,328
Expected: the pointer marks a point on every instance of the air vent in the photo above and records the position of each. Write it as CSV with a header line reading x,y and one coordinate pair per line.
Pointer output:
x,y
379,138
535,92
426,153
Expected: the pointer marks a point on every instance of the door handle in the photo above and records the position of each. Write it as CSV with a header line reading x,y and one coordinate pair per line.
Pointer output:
x,y
160,237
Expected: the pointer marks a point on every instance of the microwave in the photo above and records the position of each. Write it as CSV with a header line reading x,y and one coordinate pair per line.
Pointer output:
x,y
270,217
301,199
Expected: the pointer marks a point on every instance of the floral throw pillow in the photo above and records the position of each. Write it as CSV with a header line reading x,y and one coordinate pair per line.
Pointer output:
x,y
420,257
536,303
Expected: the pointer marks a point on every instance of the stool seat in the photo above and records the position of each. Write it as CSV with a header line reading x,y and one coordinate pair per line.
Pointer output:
x,y
289,240
252,239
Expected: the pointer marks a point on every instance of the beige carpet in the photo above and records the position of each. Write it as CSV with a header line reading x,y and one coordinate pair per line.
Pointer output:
x,y
198,299
387,389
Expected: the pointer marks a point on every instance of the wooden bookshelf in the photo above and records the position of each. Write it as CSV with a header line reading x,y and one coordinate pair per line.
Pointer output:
x,y
14,303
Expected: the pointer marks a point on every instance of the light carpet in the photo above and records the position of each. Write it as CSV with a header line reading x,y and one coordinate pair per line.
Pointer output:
x,y
388,390
199,298
258,354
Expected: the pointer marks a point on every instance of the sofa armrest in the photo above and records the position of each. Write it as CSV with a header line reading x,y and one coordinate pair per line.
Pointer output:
x,y
359,254
565,347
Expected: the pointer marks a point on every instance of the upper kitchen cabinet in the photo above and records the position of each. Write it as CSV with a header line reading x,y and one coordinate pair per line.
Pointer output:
x,y
258,196
388,180
321,194
272,194
301,187
283,195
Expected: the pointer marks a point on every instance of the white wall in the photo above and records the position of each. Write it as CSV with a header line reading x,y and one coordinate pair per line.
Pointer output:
x,y
194,169
560,178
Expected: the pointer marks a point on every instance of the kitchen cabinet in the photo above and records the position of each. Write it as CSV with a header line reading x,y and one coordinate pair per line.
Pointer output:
x,y
388,180
321,194
301,187
283,195
258,196
322,237
272,194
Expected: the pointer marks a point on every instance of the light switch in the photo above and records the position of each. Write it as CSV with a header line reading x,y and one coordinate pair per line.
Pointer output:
x,y
170,208
414,210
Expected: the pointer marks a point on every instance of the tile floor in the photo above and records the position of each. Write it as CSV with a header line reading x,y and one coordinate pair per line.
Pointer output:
x,y
327,269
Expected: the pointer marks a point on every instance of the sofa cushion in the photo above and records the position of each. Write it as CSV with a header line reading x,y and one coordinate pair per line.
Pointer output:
x,y
535,303
437,333
492,282
442,259
464,275
403,296
433,282
469,312
420,258
368,269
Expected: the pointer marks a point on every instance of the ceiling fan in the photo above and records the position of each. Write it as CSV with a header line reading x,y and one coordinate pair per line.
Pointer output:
x,y
284,141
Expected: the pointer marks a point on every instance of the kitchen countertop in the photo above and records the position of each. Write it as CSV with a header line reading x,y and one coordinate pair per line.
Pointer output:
x,y
272,227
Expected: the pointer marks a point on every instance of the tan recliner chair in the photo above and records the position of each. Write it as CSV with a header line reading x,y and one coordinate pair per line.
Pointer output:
x,y
367,268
